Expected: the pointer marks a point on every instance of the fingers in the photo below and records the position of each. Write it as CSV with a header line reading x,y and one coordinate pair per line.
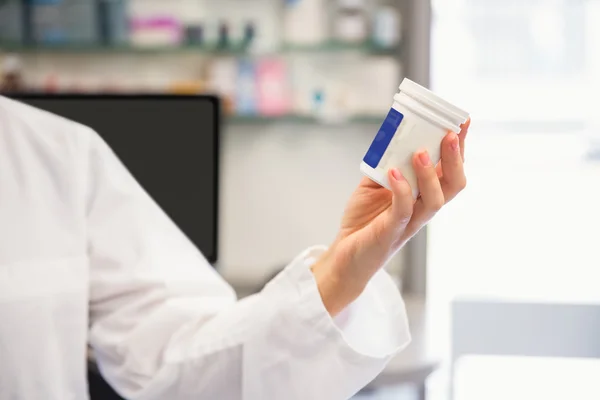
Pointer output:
x,y
462,136
464,130
431,198
453,179
440,184
402,201
430,189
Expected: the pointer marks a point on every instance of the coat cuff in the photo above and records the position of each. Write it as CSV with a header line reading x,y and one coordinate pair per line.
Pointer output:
x,y
374,326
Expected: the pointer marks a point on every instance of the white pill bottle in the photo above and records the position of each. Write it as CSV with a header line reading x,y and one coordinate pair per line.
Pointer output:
x,y
418,120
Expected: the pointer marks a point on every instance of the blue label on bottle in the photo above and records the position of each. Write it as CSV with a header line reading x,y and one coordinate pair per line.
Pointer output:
x,y
384,137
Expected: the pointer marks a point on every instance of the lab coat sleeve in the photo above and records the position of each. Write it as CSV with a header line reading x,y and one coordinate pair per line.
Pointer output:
x,y
164,325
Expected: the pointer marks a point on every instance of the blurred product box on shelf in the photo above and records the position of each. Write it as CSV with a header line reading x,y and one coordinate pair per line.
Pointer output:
x,y
246,100
192,15
320,90
114,21
306,85
11,21
305,22
157,31
194,35
249,35
222,80
351,21
64,21
387,27
157,23
272,87
222,35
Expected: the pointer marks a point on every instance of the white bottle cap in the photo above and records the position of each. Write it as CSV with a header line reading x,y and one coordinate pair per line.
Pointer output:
x,y
433,101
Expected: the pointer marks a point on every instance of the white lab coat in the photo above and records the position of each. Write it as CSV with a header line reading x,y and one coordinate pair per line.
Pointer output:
x,y
86,257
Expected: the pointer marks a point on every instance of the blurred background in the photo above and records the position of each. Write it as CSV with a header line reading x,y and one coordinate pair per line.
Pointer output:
x,y
503,288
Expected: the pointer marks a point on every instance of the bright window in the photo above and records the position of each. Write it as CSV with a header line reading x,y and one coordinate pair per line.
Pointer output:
x,y
527,226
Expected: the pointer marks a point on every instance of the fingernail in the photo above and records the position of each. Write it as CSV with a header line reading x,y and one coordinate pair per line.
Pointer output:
x,y
454,143
424,158
397,174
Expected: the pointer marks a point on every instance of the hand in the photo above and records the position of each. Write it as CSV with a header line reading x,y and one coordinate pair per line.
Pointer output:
x,y
378,222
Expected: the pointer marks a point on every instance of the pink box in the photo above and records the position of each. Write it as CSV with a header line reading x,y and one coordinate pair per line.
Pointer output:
x,y
272,88
160,30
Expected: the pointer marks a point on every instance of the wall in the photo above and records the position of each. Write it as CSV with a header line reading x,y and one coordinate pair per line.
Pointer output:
x,y
285,188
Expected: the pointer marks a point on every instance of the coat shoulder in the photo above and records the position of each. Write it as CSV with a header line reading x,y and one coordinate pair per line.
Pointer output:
x,y
42,128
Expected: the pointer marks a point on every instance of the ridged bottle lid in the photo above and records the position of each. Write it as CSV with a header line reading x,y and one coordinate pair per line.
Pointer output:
x,y
434,102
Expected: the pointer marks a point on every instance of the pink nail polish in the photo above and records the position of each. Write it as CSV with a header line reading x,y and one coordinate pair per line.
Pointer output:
x,y
454,143
424,158
396,174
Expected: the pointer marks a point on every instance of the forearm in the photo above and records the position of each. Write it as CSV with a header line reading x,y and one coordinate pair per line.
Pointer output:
x,y
342,273
281,343
336,290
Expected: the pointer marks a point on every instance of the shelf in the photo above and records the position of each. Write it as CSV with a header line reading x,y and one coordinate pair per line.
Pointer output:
x,y
334,46
240,50
301,119
120,49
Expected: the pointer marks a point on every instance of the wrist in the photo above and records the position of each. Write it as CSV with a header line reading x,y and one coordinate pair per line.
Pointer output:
x,y
337,288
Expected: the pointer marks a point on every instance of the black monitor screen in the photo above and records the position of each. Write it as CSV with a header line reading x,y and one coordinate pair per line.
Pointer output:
x,y
168,143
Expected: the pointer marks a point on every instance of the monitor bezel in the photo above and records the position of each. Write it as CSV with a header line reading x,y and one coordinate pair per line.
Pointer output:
x,y
146,96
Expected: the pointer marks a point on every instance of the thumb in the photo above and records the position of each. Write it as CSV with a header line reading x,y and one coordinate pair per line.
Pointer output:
x,y
402,201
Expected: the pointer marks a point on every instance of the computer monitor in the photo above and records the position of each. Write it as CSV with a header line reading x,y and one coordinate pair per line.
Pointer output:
x,y
169,143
